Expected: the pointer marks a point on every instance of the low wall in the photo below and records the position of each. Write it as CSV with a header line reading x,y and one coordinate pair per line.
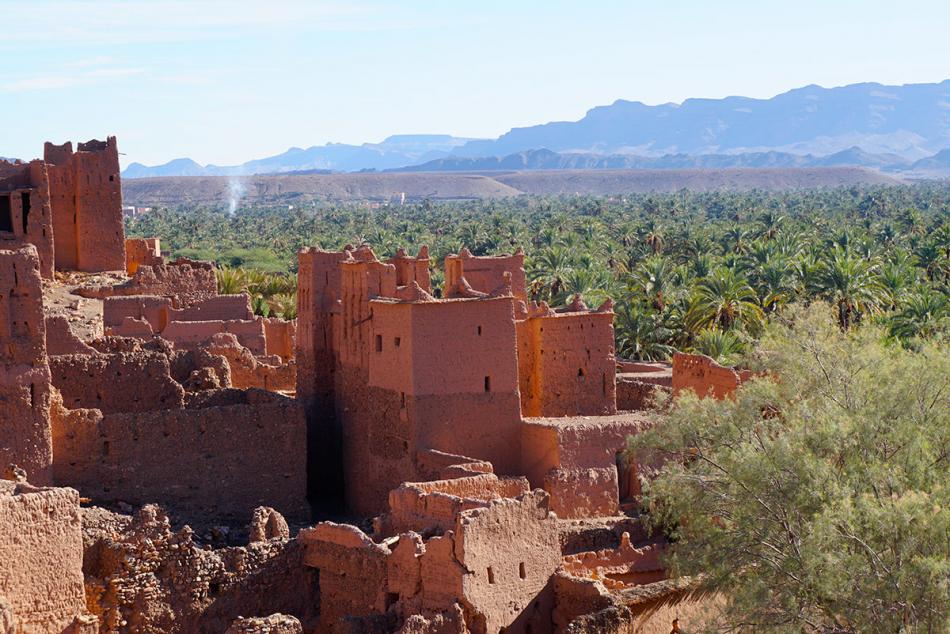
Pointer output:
x,y
190,334
220,461
41,557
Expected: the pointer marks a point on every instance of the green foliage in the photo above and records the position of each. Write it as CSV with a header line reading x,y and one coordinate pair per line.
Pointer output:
x,y
819,501
677,265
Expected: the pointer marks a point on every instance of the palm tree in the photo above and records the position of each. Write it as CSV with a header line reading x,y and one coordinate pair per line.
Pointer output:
x,y
851,284
723,346
548,270
641,335
653,280
725,299
923,314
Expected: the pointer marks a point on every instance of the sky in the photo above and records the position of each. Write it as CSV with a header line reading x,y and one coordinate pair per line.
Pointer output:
x,y
225,81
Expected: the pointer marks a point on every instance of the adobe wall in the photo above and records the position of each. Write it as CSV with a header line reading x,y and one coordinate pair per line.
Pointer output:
x,y
139,251
123,382
486,273
412,269
280,337
576,461
86,199
247,371
511,548
428,392
41,557
25,189
193,334
434,506
489,572
462,385
352,569
152,309
216,308
60,338
24,372
188,281
318,291
566,363
218,461
703,376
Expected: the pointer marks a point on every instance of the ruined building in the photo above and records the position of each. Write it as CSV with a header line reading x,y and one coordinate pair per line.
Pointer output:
x,y
176,470
68,205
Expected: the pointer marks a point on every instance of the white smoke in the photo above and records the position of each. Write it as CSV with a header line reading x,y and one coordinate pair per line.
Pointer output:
x,y
236,191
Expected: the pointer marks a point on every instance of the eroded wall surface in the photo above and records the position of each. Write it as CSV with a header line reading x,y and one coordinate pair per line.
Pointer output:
x,y
24,372
221,460
41,557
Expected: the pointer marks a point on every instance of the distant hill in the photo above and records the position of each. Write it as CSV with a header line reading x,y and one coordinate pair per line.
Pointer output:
x,y
939,161
868,125
395,151
393,187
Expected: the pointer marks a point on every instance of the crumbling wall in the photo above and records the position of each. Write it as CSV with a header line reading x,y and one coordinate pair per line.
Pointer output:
x,y
579,461
216,461
412,269
119,314
508,551
25,213
192,334
86,200
142,577
24,372
486,273
188,281
579,493
704,376
566,362
139,251
353,572
137,381
60,338
428,506
41,557
247,371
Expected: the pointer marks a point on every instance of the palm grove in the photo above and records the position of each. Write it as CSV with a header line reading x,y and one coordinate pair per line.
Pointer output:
x,y
699,272
815,500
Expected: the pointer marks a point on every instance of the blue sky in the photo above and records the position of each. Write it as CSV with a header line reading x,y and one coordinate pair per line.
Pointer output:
x,y
232,80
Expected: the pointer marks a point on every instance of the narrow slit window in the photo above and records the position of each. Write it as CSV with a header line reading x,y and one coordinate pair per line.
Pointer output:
x,y
6,214
488,384
491,575
379,343
521,571
25,208
479,331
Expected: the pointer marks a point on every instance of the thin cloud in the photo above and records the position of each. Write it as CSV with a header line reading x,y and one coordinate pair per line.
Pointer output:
x,y
49,82
113,22
60,81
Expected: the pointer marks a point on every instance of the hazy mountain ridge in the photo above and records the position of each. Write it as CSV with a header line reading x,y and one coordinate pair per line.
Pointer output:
x,y
394,151
546,159
867,125
911,120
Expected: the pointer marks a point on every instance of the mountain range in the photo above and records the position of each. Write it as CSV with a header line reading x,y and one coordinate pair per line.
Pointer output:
x,y
892,128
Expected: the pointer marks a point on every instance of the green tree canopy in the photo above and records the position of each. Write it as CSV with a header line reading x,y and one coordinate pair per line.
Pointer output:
x,y
819,501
